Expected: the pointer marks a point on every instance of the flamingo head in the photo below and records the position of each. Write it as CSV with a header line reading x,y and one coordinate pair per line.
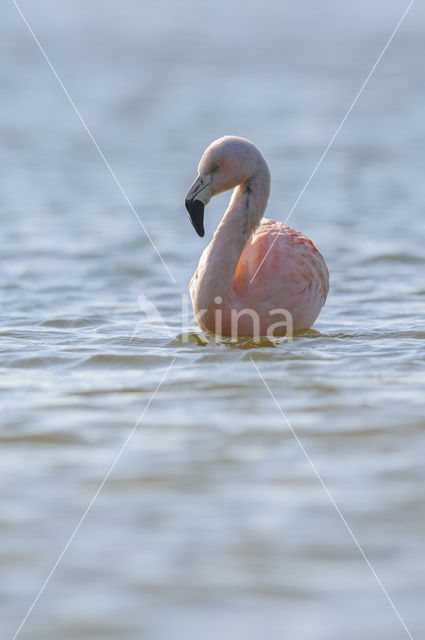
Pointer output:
x,y
226,163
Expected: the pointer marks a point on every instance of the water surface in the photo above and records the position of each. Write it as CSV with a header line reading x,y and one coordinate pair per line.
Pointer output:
x,y
213,523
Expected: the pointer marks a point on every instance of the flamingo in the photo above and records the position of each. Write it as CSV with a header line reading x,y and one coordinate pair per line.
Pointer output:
x,y
257,277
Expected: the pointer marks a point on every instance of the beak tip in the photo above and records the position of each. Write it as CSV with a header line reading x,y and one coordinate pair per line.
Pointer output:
x,y
195,209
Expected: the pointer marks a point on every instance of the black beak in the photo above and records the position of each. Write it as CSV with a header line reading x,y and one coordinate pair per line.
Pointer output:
x,y
195,209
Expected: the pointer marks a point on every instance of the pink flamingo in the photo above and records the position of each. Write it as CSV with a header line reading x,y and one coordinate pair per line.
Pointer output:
x,y
254,271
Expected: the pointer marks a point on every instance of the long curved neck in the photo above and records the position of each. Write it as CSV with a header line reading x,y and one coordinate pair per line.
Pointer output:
x,y
243,215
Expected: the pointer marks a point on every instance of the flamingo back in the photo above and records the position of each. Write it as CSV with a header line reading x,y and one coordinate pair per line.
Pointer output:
x,y
293,276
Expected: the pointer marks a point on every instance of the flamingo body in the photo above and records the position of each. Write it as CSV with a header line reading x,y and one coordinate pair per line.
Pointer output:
x,y
254,269
294,275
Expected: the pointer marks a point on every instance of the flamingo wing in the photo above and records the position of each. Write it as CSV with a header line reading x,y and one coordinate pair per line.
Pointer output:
x,y
293,275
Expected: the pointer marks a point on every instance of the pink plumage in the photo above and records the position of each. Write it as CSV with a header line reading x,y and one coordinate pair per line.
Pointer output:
x,y
257,277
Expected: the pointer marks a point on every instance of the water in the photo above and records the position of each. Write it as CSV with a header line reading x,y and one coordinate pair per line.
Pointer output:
x,y
212,524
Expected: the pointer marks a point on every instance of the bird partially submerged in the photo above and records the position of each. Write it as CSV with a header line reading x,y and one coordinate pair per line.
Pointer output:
x,y
257,277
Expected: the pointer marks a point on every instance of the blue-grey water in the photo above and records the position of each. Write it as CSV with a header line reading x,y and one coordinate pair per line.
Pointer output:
x,y
212,524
